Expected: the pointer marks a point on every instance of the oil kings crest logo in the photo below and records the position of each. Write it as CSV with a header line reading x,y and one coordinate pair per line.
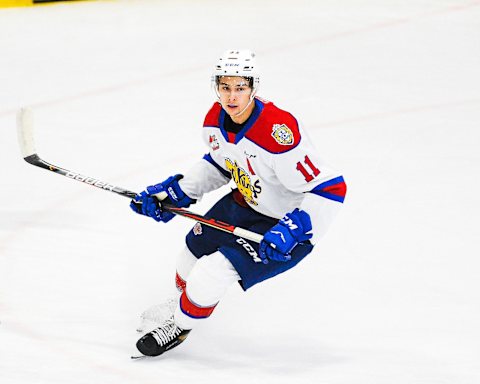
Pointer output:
x,y
243,179
282,134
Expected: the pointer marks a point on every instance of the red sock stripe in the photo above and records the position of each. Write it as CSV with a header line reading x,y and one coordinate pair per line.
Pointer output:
x,y
181,284
193,310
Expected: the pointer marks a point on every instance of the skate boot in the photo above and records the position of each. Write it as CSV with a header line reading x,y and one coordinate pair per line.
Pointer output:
x,y
162,339
156,315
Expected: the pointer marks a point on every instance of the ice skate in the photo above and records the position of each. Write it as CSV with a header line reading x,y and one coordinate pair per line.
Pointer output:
x,y
156,315
162,339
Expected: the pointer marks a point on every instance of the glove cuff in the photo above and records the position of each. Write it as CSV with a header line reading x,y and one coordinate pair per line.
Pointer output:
x,y
298,224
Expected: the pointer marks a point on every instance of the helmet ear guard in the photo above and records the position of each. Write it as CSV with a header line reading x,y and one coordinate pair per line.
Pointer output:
x,y
237,63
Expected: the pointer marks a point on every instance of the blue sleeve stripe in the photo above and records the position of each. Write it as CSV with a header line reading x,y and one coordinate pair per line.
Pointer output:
x,y
334,189
225,173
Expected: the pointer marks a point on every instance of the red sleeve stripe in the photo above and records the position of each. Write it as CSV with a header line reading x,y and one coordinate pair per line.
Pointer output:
x,y
334,189
192,310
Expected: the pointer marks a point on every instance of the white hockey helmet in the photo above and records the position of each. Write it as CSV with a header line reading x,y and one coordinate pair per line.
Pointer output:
x,y
237,63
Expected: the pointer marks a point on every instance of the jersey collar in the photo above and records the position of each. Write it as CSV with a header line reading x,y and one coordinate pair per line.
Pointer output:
x,y
250,122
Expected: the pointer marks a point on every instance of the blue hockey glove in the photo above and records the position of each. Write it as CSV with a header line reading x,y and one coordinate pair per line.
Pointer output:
x,y
146,203
279,241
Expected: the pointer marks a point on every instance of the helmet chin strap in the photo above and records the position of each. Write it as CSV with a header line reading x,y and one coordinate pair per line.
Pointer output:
x,y
252,96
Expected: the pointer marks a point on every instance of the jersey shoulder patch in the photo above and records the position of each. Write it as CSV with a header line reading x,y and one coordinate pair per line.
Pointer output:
x,y
275,130
212,119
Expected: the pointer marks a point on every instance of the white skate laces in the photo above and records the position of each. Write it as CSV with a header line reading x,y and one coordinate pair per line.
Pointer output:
x,y
166,333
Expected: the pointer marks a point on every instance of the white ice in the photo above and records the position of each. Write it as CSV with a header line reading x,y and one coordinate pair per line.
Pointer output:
x,y
390,93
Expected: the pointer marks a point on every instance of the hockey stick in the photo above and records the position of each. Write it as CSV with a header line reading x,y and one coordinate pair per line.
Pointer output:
x,y
29,153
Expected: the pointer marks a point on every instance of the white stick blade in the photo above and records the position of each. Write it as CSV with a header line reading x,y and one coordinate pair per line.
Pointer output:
x,y
25,132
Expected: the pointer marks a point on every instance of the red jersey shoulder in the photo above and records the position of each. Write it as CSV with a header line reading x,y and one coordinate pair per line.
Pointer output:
x,y
212,119
275,130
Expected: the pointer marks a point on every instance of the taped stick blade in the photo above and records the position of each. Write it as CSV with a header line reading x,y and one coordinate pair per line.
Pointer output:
x,y
25,132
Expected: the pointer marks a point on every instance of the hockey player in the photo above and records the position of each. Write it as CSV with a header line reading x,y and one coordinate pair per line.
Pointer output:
x,y
283,190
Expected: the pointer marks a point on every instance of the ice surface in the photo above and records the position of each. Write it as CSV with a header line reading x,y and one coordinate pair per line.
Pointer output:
x,y
390,93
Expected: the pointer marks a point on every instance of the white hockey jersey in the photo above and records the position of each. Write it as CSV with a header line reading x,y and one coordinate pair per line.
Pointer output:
x,y
273,164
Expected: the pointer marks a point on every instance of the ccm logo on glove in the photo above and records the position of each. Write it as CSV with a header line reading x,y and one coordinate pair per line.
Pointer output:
x,y
147,202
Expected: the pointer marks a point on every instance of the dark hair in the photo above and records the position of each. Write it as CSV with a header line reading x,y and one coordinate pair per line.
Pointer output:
x,y
249,79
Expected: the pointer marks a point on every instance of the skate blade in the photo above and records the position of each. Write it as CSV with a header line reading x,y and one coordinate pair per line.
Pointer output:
x,y
140,357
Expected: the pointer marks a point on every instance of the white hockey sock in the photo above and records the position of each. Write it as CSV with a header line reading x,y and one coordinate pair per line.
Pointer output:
x,y
185,262
208,281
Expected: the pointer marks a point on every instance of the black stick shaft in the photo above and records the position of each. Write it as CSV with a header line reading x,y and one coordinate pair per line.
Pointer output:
x,y
226,227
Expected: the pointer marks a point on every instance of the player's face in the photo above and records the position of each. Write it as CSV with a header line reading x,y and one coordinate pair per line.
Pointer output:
x,y
235,94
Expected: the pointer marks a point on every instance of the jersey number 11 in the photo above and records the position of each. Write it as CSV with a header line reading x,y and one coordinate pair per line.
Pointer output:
x,y
314,170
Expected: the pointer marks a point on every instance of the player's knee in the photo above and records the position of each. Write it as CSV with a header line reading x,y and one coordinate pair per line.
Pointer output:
x,y
211,276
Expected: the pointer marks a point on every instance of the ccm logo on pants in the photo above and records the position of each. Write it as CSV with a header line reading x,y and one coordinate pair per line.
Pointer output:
x,y
251,251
